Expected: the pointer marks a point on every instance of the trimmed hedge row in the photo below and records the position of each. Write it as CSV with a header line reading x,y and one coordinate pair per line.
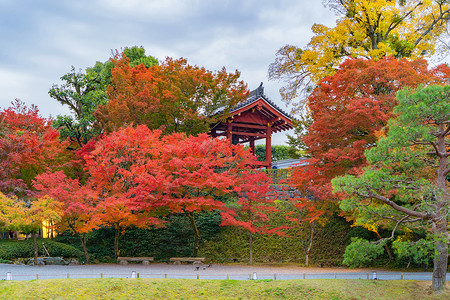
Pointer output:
x,y
221,244
174,240
329,242
11,249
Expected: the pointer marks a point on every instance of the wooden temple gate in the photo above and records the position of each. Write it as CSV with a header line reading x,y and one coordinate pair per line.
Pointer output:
x,y
255,119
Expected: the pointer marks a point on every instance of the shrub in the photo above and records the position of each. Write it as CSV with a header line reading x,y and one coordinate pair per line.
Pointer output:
x,y
16,249
232,243
419,253
361,252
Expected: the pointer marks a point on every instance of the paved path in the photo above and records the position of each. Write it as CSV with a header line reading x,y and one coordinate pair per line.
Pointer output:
x,y
237,272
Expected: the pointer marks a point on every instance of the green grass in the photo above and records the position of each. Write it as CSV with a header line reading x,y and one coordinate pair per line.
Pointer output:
x,y
114,288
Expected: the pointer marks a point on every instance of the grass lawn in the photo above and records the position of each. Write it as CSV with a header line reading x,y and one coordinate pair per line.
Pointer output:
x,y
115,288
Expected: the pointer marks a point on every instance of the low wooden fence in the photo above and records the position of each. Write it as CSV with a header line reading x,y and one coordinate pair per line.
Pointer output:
x,y
375,275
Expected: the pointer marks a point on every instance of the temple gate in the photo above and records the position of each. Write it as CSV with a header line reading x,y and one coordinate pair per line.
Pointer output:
x,y
255,119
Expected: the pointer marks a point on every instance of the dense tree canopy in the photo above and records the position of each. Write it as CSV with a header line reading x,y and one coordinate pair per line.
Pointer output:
x,y
349,110
29,145
78,203
173,96
82,92
369,29
406,180
139,175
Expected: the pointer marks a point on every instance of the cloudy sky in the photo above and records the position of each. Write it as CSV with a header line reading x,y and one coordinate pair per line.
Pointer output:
x,y
41,40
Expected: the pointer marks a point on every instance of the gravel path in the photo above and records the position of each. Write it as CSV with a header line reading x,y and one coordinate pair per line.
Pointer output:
x,y
158,270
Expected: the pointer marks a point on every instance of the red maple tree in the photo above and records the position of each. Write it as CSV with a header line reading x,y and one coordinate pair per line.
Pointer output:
x,y
349,110
111,166
78,203
252,210
155,175
28,146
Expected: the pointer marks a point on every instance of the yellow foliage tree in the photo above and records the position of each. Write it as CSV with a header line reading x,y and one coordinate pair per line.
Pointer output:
x,y
27,216
365,28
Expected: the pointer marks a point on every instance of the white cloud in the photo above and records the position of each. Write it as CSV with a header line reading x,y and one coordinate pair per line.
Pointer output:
x,y
13,84
139,10
42,39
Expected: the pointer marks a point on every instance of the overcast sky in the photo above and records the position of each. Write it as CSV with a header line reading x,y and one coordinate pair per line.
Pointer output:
x,y
41,40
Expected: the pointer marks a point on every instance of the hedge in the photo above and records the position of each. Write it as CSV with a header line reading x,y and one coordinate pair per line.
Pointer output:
x,y
12,249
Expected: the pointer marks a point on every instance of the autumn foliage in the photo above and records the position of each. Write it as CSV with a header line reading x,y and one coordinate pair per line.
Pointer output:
x,y
28,147
26,215
172,96
77,202
364,29
137,176
349,110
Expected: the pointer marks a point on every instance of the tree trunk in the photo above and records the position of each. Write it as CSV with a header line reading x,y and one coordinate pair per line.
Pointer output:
x,y
250,246
308,249
36,251
385,246
116,242
440,220
83,244
388,252
196,232
82,240
441,256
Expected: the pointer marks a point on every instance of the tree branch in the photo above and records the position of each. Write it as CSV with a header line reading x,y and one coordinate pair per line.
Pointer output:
x,y
393,230
392,26
431,26
446,131
446,172
395,205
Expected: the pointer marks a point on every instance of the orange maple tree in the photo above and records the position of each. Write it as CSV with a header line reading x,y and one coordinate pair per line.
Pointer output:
x,y
172,96
78,203
27,215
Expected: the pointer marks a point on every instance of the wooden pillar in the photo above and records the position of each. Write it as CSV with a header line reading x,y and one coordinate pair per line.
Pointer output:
x,y
229,130
252,145
269,146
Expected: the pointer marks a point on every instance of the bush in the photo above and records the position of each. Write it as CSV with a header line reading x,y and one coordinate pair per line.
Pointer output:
x,y
419,253
361,252
20,249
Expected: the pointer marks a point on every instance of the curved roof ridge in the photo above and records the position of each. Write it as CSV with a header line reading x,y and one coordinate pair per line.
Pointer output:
x,y
254,96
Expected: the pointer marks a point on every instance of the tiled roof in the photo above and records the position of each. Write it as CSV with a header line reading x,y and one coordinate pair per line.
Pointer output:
x,y
254,96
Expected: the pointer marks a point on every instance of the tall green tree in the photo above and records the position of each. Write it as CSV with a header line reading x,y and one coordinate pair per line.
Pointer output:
x,y
406,181
369,29
82,92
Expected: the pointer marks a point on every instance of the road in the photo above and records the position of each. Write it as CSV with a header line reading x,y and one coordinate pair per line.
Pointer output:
x,y
235,272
